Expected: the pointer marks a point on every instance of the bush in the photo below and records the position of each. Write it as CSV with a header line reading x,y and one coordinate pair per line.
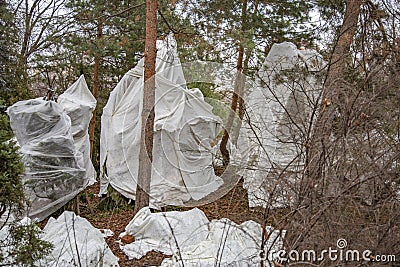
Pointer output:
x,y
21,244
11,192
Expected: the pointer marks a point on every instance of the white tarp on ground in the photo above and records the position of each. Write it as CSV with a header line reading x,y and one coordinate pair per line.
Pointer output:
x,y
193,240
75,243
279,111
79,104
229,244
184,130
164,231
51,149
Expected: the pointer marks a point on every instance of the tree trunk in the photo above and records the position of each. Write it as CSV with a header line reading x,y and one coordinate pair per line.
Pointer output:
x,y
342,49
232,112
96,85
147,129
23,54
241,98
319,141
236,94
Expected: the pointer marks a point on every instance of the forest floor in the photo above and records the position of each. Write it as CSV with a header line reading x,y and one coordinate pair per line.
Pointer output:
x,y
233,205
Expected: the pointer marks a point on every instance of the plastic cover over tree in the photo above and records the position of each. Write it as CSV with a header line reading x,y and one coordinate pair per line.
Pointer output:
x,y
55,168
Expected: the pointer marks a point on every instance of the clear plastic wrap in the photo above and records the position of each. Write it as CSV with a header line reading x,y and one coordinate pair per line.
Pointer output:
x,y
54,166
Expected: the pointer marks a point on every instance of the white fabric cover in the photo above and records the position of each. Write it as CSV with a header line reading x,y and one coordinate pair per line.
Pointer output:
x,y
191,238
54,168
79,104
229,244
279,111
73,235
164,231
184,130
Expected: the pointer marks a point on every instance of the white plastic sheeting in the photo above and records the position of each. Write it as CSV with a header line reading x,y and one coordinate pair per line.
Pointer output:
x,y
54,169
184,130
194,241
54,151
76,243
279,109
79,104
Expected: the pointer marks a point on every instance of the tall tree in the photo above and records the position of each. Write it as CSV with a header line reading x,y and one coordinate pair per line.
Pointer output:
x,y
96,81
9,46
147,129
239,29
107,41
238,89
7,49
324,124
221,22
41,23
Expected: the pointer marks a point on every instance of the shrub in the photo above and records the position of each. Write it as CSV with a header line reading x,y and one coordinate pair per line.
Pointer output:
x,y
21,244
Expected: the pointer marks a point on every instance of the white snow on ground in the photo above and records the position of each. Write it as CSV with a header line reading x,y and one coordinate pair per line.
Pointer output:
x,y
195,241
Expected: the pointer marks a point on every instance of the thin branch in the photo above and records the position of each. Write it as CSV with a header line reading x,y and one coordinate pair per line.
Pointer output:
x,y
116,14
166,22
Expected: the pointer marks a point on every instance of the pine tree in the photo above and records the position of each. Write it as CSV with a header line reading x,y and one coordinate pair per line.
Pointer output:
x,y
324,124
9,78
23,246
250,26
148,113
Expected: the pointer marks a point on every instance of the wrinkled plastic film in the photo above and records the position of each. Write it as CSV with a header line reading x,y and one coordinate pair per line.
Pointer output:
x,y
54,146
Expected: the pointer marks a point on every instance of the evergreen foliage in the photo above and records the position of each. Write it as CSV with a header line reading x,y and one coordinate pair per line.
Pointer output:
x,y
23,246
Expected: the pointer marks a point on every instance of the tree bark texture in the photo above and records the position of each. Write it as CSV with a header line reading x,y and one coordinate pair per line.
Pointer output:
x,y
319,144
237,93
96,85
147,131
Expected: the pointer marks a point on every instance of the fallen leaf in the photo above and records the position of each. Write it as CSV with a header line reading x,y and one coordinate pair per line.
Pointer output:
x,y
127,239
